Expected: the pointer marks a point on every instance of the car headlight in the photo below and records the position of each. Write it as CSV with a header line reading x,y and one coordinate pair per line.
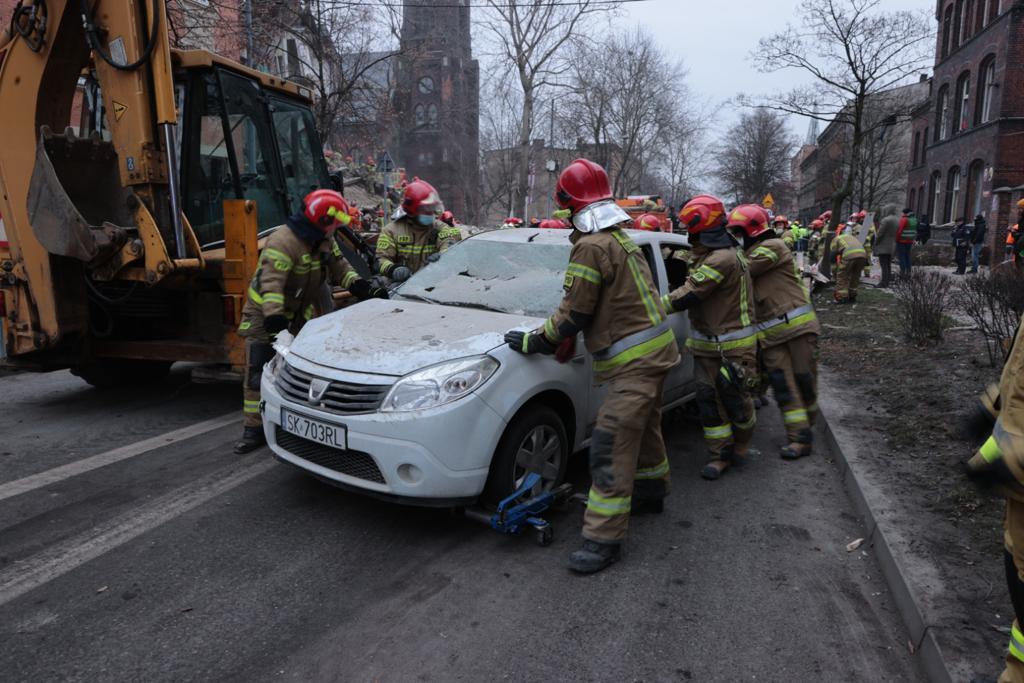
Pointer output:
x,y
439,384
282,343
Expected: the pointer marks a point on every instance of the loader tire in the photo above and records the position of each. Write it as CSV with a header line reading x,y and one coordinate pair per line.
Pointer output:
x,y
113,373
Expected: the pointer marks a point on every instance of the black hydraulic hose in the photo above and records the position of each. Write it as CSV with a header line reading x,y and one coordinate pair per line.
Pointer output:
x,y
93,39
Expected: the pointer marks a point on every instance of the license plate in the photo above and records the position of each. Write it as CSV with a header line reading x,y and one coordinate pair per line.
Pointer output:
x,y
314,430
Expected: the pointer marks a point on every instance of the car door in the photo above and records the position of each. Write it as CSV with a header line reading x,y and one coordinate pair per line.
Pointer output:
x,y
679,382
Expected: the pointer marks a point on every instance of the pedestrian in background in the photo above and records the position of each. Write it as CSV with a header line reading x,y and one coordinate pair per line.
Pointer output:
x,y
977,241
924,230
961,237
885,242
906,235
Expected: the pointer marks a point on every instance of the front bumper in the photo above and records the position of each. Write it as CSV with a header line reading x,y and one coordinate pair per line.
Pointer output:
x,y
429,457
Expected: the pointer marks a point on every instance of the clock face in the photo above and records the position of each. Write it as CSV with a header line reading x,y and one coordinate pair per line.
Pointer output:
x,y
426,85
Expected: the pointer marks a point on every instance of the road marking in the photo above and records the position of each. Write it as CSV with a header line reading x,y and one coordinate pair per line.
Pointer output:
x,y
50,564
35,481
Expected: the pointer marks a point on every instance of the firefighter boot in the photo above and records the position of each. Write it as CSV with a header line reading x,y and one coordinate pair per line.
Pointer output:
x,y
714,469
594,556
252,438
795,451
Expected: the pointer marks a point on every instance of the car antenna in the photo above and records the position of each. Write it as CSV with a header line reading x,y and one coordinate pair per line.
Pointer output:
x,y
532,237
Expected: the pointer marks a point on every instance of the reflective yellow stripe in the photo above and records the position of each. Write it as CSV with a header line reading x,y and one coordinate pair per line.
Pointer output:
x,y
449,233
607,506
302,269
281,260
766,252
335,249
550,332
385,241
990,450
645,293
657,472
308,313
625,242
250,407
666,303
1016,642
245,325
749,424
794,416
719,432
273,298
789,325
384,264
744,302
255,296
639,351
702,345
711,273
850,253
350,277
585,272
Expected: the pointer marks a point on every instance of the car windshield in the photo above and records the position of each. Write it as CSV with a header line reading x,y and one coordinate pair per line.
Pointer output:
x,y
518,278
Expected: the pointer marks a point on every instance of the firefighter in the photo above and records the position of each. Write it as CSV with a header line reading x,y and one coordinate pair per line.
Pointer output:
x,y
648,221
448,218
787,324
512,222
849,258
611,297
814,242
296,261
416,237
718,295
1000,461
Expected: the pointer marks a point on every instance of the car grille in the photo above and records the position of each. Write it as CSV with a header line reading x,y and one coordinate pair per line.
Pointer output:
x,y
353,463
343,398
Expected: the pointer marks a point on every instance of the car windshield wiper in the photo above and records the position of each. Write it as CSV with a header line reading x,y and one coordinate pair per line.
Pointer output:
x,y
418,297
467,304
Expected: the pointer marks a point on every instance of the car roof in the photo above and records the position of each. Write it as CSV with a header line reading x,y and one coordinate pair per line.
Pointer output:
x,y
561,236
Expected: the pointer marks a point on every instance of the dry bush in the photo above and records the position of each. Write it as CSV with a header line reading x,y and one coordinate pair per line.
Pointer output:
x,y
924,298
994,300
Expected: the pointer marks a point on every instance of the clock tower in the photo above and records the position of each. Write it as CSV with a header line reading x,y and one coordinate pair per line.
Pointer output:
x,y
438,100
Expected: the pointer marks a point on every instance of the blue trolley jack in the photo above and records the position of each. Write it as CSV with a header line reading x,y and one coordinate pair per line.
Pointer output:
x,y
523,508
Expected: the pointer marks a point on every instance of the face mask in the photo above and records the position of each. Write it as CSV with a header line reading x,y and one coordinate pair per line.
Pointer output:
x,y
425,220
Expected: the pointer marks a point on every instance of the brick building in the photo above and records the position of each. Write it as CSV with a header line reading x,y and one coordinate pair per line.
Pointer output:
x,y
968,150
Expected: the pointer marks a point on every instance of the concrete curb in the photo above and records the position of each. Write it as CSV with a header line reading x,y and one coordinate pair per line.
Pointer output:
x,y
922,635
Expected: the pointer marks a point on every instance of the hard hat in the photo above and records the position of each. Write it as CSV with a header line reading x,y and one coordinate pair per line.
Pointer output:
x,y
581,184
647,221
326,209
348,158
827,216
750,218
371,161
449,218
780,219
553,224
817,224
1020,204
512,220
701,213
420,199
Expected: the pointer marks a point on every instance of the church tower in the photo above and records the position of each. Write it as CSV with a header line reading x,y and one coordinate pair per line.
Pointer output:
x,y
438,100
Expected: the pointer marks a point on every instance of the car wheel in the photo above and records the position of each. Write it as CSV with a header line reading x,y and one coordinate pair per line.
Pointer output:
x,y
535,441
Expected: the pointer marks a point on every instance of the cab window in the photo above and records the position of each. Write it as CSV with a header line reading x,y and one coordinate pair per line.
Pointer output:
x,y
301,161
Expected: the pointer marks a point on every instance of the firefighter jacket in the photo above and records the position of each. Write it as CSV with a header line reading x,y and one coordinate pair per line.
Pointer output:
x,y
610,296
1006,443
402,243
289,278
789,237
723,319
846,247
781,302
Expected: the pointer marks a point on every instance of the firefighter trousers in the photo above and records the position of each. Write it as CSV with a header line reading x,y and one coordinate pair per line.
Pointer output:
x,y
258,352
627,455
1013,539
793,375
848,278
726,411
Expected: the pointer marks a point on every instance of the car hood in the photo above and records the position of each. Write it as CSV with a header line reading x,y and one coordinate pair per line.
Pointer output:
x,y
396,337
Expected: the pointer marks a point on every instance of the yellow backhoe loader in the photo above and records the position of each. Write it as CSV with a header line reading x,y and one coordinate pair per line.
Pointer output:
x,y
132,232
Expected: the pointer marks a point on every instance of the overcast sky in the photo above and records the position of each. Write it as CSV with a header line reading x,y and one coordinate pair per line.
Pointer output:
x,y
714,37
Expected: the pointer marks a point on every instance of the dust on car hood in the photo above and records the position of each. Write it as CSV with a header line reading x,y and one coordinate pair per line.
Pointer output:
x,y
396,337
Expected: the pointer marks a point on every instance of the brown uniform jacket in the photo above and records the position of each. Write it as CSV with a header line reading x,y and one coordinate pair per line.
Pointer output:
x,y
782,303
608,284
401,243
724,320
846,247
1007,440
289,279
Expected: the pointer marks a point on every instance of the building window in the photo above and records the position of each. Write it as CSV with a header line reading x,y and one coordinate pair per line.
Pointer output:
x,y
963,95
920,202
974,175
432,116
947,29
420,115
913,196
968,23
936,197
987,87
958,26
924,146
426,158
942,114
953,188
292,49
979,16
913,156
991,11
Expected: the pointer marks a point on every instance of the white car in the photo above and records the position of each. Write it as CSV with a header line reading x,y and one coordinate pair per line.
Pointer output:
x,y
418,399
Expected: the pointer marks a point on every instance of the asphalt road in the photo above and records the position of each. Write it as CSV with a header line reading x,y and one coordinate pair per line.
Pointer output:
x,y
177,560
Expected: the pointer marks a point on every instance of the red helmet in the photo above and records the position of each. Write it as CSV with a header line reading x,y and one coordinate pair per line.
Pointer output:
x,y
421,199
817,224
449,218
512,220
326,209
348,158
581,184
371,161
780,219
826,217
553,224
750,218
841,228
647,222
701,213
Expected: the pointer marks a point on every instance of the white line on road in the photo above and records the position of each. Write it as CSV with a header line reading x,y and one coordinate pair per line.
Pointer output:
x,y
35,481
23,576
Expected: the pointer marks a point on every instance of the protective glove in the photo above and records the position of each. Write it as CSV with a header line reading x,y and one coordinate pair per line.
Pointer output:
x,y
401,274
364,289
529,342
433,258
275,323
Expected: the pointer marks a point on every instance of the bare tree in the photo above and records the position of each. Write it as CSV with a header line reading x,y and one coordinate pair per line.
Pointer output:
x,y
852,50
754,157
499,153
531,37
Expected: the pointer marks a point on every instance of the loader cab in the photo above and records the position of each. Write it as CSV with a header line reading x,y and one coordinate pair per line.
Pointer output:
x,y
241,140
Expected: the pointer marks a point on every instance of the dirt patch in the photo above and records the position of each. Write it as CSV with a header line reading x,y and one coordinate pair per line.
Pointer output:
x,y
907,400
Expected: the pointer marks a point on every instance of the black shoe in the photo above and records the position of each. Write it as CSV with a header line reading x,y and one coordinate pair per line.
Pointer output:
x,y
594,556
647,506
794,452
252,438
714,469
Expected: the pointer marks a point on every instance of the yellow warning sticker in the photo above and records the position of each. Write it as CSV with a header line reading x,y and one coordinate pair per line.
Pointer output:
x,y
119,110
